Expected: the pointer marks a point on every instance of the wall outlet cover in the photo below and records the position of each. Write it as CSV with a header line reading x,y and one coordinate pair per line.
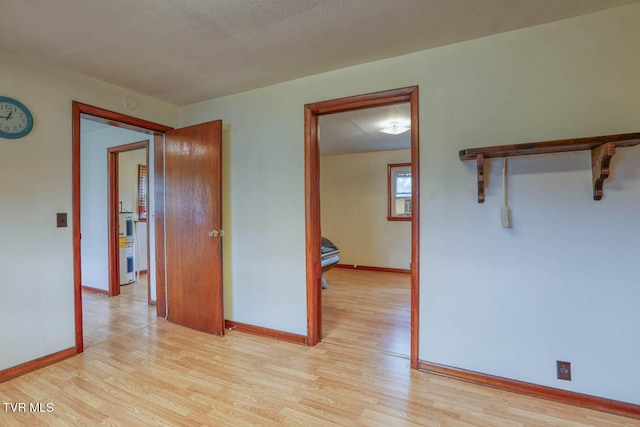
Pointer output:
x,y
564,370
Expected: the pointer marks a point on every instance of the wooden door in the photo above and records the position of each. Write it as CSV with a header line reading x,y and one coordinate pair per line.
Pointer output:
x,y
193,199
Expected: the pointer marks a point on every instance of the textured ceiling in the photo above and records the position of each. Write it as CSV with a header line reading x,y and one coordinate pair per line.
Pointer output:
x,y
359,131
184,51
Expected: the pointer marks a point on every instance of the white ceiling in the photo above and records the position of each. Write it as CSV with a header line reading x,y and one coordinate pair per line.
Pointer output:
x,y
359,131
185,51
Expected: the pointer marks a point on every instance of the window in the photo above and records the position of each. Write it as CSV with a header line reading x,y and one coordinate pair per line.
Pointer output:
x,y
143,191
399,188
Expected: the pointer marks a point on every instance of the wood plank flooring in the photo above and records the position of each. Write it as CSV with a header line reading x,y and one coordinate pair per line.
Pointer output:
x,y
105,317
169,375
368,310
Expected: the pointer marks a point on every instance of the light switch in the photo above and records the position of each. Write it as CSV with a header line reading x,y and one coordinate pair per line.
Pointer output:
x,y
61,219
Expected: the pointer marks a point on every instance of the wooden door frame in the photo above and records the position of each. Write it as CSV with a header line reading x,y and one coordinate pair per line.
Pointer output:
x,y
114,211
312,112
132,123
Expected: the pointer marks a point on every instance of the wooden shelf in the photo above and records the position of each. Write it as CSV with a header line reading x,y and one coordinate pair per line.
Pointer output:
x,y
602,150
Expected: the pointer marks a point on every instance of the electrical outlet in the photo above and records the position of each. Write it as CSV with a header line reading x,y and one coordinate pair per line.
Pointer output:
x,y
61,220
564,370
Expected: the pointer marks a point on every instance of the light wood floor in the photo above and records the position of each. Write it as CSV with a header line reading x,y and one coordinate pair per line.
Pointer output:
x,y
105,317
166,374
368,310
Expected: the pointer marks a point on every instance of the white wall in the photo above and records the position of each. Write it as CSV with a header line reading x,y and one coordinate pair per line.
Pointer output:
x,y
94,217
36,258
128,162
562,284
354,204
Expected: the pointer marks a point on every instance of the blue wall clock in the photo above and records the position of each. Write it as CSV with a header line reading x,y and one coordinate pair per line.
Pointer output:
x,y
16,120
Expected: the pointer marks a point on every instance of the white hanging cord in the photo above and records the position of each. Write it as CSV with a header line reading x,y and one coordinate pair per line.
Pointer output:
x,y
505,211
504,182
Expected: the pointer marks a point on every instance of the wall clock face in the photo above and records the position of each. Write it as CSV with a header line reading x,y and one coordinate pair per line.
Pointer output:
x,y
16,120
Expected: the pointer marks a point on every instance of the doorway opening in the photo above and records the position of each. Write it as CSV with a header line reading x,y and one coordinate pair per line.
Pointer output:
x,y
127,179
109,274
188,271
313,112
124,178
365,182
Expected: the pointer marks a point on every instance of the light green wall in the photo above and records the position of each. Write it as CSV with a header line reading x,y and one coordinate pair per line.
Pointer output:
x,y
35,184
561,285
354,202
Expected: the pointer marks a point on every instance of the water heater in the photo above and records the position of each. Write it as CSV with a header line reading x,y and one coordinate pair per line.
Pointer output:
x,y
127,266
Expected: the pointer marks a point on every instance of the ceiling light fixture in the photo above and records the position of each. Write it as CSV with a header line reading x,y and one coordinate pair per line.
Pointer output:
x,y
394,128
